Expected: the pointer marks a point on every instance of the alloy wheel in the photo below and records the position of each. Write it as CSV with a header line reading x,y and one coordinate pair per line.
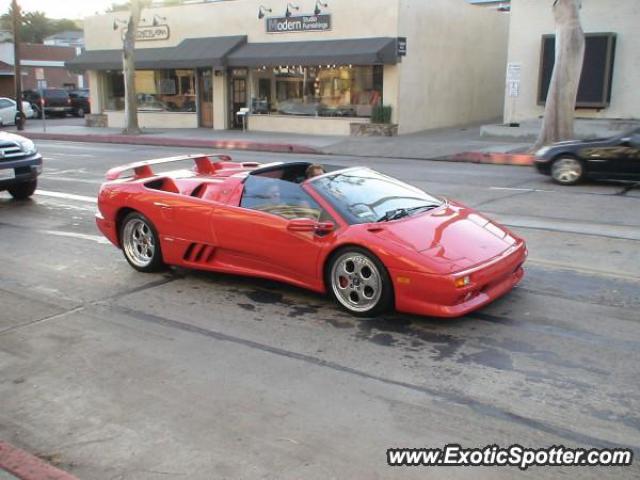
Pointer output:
x,y
567,171
139,242
356,282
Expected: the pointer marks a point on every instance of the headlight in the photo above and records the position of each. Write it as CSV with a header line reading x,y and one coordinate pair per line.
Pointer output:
x,y
27,146
542,151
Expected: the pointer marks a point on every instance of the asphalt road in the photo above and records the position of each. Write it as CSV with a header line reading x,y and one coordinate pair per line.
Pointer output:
x,y
113,374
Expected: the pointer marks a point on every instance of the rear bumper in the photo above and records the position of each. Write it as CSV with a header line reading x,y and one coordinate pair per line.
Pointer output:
x,y
108,229
58,109
25,170
437,295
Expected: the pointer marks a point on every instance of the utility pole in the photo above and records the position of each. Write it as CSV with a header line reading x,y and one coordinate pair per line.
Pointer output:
x,y
16,20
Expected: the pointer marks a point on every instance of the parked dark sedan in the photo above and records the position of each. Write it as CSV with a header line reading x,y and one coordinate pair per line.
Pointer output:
x,y
80,104
616,158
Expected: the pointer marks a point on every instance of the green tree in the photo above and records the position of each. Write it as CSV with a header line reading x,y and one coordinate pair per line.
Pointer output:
x,y
36,26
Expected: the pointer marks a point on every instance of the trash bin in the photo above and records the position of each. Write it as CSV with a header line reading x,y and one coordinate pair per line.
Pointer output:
x,y
20,120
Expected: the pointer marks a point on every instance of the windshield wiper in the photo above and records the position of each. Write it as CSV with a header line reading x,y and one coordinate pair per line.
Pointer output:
x,y
397,213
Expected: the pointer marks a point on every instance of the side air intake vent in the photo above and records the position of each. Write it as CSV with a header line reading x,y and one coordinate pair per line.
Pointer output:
x,y
199,253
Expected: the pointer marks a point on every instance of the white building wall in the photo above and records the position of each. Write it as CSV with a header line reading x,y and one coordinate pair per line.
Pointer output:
x,y
530,19
350,19
454,71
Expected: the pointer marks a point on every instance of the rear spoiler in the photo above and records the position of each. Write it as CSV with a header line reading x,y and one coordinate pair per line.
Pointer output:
x,y
203,165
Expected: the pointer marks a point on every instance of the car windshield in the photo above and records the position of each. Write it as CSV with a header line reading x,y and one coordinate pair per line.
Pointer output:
x,y
362,195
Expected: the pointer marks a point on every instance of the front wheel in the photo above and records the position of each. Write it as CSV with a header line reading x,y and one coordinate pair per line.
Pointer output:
x,y
567,170
359,282
140,243
22,191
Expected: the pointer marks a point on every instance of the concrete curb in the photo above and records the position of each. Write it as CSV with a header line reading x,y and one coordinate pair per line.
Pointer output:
x,y
28,467
149,139
494,158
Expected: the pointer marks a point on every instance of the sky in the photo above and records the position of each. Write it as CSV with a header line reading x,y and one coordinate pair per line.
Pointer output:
x,y
74,9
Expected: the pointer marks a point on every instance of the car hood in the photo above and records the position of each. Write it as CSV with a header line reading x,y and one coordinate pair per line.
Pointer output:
x,y
11,137
452,238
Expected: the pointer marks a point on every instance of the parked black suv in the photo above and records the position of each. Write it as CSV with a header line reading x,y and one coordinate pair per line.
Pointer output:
x,y
80,102
20,165
56,101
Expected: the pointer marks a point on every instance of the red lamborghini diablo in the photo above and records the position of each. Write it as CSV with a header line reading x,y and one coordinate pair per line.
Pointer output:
x,y
371,241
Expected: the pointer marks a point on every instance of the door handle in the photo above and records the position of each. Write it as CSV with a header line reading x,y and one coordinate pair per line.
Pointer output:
x,y
161,205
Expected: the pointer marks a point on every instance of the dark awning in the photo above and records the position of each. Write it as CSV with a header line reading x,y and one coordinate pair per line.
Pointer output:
x,y
190,53
357,51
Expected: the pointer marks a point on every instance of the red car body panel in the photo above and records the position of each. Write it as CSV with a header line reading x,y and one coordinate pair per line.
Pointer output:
x,y
201,225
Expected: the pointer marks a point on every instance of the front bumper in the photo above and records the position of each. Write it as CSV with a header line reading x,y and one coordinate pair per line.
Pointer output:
x,y
543,165
25,170
437,295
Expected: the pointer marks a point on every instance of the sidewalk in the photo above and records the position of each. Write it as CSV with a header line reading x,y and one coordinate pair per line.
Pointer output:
x,y
451,144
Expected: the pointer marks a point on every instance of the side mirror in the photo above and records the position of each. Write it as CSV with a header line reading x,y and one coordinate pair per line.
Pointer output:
x,y
309,225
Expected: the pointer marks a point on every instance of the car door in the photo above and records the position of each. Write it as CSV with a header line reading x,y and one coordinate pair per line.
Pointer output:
x,y
7,111
258,235
630,163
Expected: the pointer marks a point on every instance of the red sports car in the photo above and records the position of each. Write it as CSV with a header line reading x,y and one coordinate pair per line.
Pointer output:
x,y
371,241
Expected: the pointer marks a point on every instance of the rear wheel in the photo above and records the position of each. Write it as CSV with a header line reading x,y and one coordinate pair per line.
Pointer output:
x,y
567,170
22,191
80,112
140,243
359,282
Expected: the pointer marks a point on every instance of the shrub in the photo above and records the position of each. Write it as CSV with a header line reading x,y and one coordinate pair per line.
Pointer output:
x,y
381,114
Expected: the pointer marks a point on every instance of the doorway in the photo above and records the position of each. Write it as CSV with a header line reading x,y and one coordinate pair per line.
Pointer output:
x,y
205,97
238,95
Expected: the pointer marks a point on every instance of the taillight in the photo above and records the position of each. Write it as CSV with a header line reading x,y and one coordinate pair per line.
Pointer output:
x,y
68,101
42,102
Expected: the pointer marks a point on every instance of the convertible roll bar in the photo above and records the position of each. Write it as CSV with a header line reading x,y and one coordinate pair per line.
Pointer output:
x,y
203,165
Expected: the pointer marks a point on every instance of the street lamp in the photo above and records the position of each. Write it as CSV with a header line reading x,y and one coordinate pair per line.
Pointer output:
x,y
320,4
291,6
262,11
157,19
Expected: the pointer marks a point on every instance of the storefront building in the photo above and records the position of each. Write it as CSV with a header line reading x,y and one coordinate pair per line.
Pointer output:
x,y
609,84
317,69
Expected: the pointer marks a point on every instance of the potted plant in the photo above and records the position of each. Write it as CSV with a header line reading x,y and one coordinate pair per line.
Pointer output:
x,y
380,125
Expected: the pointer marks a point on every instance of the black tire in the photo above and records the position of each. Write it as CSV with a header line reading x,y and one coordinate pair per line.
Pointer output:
x,y
23,190
567,170
80,112
141,243
353,297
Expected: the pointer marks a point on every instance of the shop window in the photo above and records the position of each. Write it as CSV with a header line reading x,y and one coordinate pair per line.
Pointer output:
x,y
157,90
331,91
594,90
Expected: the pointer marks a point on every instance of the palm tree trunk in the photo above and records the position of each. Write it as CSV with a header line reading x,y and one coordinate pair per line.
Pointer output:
x,y
129,71
559,112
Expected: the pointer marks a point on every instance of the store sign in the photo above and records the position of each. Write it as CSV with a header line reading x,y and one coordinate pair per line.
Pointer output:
x,y
299,23
402,46
151,32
